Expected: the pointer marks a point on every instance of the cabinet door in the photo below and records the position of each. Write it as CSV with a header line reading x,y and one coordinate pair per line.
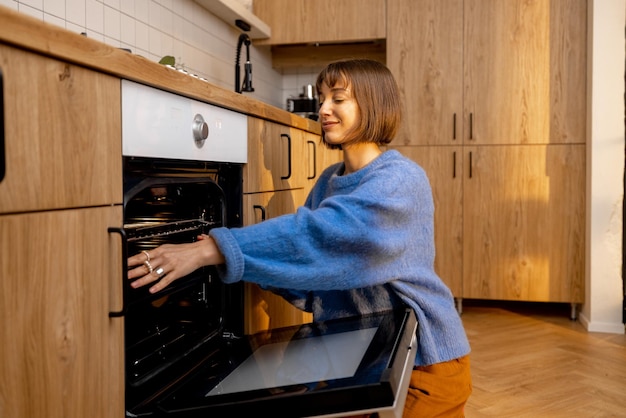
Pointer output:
x,y
319,158
324,21
275,157
444,167
265,310
525,71
524,223
425,54
61,355
62,134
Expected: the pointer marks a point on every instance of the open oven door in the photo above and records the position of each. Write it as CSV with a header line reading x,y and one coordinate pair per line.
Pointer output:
x,y
329,369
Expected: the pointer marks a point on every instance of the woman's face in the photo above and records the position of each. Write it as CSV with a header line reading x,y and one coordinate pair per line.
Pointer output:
x,y
339,112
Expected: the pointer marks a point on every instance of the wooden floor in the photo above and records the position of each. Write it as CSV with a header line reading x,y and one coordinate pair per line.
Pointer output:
x,y
531,360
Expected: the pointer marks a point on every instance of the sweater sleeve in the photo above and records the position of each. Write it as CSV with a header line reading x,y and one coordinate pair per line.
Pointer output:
x,y
357,232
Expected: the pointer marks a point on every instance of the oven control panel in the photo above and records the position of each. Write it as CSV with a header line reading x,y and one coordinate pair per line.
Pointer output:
x,y
160,124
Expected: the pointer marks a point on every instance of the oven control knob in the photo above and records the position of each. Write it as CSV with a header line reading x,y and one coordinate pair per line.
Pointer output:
x,y
200,130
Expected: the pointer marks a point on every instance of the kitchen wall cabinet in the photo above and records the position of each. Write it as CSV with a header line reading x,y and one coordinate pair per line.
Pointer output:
x,y
283,165
310,34
494,95
488,71
323,21
61,355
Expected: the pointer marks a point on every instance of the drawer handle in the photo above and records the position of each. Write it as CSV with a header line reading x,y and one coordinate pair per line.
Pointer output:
x,y
2,149
262,209
314,160
288,156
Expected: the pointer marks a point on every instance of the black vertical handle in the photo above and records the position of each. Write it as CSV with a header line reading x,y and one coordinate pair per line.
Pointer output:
x,y
454,127
125,283
262,209
288,156
454,165
470,164
314,160
471,127
2,149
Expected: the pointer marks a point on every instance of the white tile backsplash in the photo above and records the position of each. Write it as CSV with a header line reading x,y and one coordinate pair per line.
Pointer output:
x,y
199,41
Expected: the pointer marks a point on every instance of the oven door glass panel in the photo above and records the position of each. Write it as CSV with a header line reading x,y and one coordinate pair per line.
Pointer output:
x,y
330,368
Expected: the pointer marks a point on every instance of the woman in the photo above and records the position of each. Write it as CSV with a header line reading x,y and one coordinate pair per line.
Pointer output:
x,y
363,241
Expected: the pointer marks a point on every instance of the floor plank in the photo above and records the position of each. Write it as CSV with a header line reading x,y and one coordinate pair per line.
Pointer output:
x,y
531,360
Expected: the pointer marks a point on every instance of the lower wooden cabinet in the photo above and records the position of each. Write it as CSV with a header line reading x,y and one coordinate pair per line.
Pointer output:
x,y
509,220
265,310
283,165
61,355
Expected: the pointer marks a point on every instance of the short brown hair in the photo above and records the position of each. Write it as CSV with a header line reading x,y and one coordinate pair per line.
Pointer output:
x,y
376,93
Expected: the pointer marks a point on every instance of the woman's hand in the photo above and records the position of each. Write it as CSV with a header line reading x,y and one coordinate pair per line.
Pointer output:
x,y
169,262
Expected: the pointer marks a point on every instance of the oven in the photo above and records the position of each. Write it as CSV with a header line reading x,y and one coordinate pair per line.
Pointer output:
x,y
185,351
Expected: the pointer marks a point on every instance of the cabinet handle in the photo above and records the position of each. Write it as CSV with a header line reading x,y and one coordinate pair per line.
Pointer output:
x,y
288,156
470,164
314,160
125,282
262,209
454,127
454,165
2,149
471,127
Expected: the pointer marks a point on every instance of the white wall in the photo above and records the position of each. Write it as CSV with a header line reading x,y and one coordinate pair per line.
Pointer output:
x,y
602,311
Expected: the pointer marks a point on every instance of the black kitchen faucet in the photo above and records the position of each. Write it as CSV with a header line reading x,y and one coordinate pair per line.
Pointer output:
x,y
247,79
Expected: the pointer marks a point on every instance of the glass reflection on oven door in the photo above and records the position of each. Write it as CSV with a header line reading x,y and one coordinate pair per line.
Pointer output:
x,y
326,368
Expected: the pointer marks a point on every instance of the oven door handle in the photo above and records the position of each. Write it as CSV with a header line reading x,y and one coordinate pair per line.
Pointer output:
x,y
122,232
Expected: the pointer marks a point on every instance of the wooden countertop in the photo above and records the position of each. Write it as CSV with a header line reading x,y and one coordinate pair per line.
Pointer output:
x,y
26,32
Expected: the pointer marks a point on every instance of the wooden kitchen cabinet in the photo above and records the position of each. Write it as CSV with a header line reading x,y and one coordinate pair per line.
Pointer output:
x,y
58,120
489,71
498,87
444,167
524,229
283,164
61,355
265,310
277,157
509,219
321,21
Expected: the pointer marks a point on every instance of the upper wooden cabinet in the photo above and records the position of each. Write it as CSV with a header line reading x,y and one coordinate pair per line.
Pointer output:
x,y
323,21
489,71
62,135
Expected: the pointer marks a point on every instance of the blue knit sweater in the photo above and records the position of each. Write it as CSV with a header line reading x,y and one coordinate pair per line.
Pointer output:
x,y
363,242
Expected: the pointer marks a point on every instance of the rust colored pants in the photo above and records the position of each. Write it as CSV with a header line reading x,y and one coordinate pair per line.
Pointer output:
x,y
439,390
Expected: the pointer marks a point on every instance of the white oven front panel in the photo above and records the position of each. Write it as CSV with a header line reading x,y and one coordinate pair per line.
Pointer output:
x,y
159,124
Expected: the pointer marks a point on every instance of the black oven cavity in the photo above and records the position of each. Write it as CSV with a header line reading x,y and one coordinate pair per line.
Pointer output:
x,y
170,334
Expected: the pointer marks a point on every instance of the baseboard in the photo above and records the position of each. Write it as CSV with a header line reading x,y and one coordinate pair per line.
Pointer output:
x,y
607,327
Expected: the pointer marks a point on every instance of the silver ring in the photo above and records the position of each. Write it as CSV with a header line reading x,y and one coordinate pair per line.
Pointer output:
x,y
159,271
147,264
147,255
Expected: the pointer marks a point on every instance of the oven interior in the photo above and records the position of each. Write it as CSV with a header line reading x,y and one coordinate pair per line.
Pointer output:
x,y
170,334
